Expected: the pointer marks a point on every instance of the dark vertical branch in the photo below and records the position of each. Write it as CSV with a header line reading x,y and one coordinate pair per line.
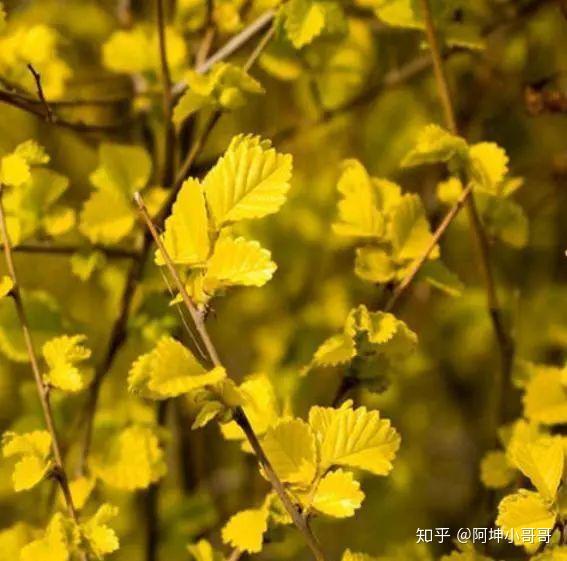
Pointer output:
x,y
504,341
169,141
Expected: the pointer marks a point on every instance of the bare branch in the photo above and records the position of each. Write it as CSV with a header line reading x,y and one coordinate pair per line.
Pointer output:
x,y
169,144
42,388
505,343
37,77
230,47
238,413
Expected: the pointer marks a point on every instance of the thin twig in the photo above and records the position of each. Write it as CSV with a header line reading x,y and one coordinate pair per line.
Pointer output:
x,y
42,388
230,47
119,329
505,343
37,77
437,235
239,415
235,555
169,143
78,126
66,250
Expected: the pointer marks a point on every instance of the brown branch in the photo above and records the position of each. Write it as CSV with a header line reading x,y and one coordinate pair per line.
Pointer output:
x,y
118,333
505,343
238,413
419,262
66,250
169,143
41,95
18,101
42,388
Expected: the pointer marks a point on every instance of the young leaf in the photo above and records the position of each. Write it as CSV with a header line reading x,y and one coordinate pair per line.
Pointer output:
x,y
101,539
525,509
108,215
338,494
541,461
545,400
203,551
337,349
251,180
290,447
170,370
358,213
260,405
224,86
132,459
62,356
409,229
32,450
435,144
238,262
495,470
304,20
373,264
245,530
355,438
488,166
186,236
58,542
14,170
349,555
6,285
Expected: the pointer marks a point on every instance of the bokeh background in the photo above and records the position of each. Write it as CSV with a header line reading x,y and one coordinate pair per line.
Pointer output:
x,y
365,95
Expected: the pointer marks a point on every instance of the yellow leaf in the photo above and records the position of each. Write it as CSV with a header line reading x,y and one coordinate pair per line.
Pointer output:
x,y
132,459
338,494
260,405
337,349
14,170
374,265
32,152
28,472
449,191
81,489
136,51
488,166
57,543
525,510
238,262
545,399
203,551
541,461
245,530
224,86
435,144
13,539
107,217
290,447
409,229
6,285
32,450
355,438
349,555
358,214
304,20
251,180
59,220
170,370
101,539
186,236
62,356
122,168
495,470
